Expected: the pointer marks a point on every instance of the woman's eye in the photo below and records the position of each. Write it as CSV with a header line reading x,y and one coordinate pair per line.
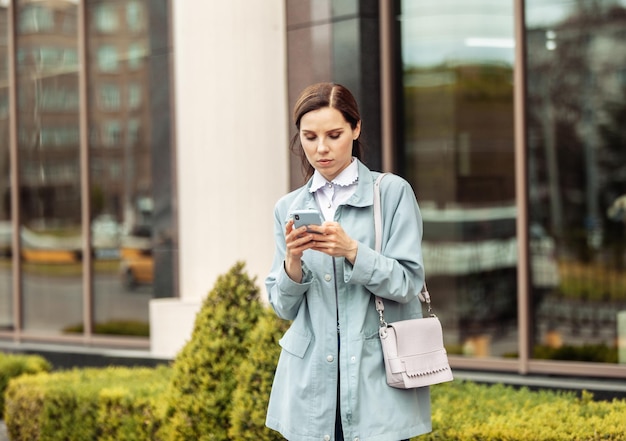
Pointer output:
x,y
309,138
334,136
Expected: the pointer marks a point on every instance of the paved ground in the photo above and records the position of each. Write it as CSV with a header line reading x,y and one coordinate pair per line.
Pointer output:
x,y
3,432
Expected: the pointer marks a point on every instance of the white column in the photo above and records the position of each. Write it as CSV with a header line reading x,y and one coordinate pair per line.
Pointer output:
x,y
232,149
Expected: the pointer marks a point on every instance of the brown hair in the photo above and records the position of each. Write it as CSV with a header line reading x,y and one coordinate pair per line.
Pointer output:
x,y
318,96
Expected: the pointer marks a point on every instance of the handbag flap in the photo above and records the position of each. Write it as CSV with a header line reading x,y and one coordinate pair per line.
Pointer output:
x,y
426,363
418,336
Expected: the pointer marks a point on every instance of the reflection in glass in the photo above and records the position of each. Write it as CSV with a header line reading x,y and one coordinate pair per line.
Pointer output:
x,y
35,18
6,233
108,58
577,177
106,19
120,166
135,13
458,152
48,146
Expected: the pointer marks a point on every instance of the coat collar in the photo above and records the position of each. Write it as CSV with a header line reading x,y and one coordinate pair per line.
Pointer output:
x,y
346,178
364,194
362,197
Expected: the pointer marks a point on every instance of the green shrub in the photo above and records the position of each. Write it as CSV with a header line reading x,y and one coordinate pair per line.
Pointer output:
x,y
114,327
200,394
465,411
598,353
134,413
87,404
218,388
14,365
254,381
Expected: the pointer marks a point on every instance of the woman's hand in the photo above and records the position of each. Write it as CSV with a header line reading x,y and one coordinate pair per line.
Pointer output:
x,y
297,240
330,238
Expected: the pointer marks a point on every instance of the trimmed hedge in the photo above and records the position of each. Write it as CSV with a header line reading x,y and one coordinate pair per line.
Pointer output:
x,y
126,404
14,365
466,411
218,388
114,327
87,404
599,353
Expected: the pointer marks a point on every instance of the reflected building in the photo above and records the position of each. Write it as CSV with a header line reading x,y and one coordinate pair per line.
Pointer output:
x,y
48,115
83,121
457,148
576,98
6,273
142,139
119,136
120,156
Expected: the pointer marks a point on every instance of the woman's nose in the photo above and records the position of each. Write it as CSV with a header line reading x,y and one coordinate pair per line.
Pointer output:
x,y
321,145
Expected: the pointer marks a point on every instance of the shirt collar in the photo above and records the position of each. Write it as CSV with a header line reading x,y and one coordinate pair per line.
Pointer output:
x,y
347,177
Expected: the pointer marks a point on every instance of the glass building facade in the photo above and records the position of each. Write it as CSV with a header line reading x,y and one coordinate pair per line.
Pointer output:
x,y
543,206
457,149
576,165
6,230
506,116
85,123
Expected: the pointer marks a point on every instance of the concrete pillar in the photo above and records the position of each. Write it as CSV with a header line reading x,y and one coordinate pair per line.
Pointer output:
x,y
231,149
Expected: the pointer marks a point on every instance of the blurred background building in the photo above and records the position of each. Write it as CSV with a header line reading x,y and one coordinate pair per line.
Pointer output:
x,y
143,144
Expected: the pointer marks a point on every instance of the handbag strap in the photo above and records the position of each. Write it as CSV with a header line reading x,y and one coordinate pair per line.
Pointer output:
x,y
424,296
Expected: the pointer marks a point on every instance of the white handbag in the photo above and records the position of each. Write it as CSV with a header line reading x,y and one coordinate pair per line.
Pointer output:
x,y
413,350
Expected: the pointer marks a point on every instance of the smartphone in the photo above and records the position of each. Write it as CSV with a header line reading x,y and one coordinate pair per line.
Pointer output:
x,y
305,218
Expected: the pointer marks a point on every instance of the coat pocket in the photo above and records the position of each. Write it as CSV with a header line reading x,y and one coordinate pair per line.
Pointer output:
x,y
295,343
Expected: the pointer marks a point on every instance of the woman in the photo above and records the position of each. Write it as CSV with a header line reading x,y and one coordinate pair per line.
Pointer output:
x,y
330,381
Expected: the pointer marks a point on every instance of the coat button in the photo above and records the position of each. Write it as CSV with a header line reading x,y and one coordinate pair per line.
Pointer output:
x,y
356,439
330,358
326,437
327,277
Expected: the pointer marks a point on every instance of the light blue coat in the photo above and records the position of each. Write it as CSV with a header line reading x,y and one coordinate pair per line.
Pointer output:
x,y
304,394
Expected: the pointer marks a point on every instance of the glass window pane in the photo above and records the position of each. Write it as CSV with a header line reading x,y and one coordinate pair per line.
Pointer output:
x,y
106,18
134,131
458,152
135,15
107,58
121,171
111,133
577,177
6,227
110,97
50,200
136,54
134,95
35,18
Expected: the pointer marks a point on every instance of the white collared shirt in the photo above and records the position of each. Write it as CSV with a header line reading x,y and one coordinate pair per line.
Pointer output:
x,y
330,195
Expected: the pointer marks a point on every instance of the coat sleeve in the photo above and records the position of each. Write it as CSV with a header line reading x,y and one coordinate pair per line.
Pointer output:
x,y
398,272
284,294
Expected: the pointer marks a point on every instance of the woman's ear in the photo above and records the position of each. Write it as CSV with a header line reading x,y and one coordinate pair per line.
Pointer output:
x,y
357,131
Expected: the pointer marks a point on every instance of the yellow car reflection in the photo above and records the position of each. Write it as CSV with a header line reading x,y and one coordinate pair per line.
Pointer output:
x,y
51,256
136,267
46,248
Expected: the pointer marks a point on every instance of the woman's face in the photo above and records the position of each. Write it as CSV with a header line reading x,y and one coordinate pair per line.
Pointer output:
x,y
326,138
